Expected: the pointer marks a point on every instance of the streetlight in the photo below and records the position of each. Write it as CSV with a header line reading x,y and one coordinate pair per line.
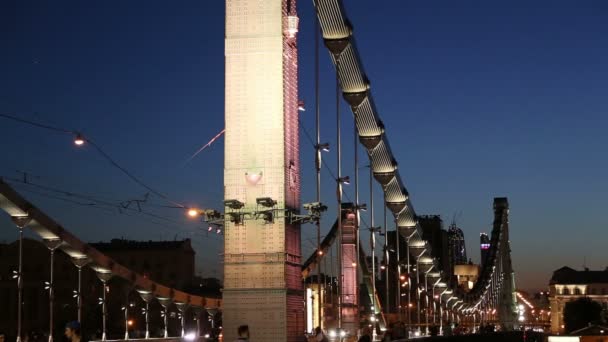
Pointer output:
x,y
79,262
79,139
52,245
20,222
193,212
344,180
104,276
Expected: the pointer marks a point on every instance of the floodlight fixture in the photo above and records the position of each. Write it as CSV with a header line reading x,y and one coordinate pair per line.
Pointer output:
x,y
268,216
361,206
266,202
213,214
315,207
323,147
234,204
235,218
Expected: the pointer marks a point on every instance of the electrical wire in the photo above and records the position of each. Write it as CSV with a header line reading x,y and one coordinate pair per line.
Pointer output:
x,y
101,204
100,151
331,173
205,146
130,175
37,124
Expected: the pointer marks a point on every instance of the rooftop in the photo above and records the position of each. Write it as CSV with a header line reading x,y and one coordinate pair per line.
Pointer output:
x,y
567,275
124,244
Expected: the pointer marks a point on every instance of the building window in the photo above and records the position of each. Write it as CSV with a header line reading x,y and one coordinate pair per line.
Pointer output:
x,y
566,291
577,291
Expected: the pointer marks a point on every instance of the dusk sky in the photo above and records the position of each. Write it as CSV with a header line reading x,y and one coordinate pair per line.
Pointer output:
x,y
481,99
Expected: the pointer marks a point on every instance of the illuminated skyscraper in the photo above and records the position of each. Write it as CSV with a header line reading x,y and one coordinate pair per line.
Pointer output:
x,y
484,244
262,275
457,249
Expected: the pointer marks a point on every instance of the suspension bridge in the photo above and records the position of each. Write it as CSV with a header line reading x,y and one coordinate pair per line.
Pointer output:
x,y
264,269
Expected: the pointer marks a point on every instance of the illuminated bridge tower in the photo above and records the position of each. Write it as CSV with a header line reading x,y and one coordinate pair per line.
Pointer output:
x,y
262,272
507,311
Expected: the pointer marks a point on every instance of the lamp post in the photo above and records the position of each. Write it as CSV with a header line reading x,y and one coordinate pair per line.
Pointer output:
x,y
182,307
80,262
165,303
20,222
126,310
52,245
147,297
104,276
433,297
426,294
339,184
418,321
441,311
386,263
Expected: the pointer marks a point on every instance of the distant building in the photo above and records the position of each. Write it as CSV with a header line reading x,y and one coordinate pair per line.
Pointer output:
x,y
466,276
170,263
568,284
484,246
433,232
456,245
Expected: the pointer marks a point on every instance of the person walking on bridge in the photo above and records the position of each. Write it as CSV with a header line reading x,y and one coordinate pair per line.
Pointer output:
x,y
366,335
72,331
243,333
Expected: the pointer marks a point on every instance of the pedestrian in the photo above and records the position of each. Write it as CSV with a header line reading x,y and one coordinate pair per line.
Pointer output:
x,y
243,333
388,334
320,336
1,336
366,335
72,331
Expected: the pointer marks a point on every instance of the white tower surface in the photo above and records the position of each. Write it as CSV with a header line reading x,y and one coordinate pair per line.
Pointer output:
x,y
262,274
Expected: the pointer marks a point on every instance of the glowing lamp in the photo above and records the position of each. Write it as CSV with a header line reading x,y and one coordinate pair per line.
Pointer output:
x,y
78,140
253,177
192,212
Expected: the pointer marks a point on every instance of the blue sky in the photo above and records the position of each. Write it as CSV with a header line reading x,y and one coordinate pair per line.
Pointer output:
x,y
480,99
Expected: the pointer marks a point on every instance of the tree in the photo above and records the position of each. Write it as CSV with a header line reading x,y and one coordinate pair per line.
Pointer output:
x,y
580,313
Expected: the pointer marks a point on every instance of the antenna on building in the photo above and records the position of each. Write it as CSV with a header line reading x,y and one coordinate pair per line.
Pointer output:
x,y
456,217
26,176
585,262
